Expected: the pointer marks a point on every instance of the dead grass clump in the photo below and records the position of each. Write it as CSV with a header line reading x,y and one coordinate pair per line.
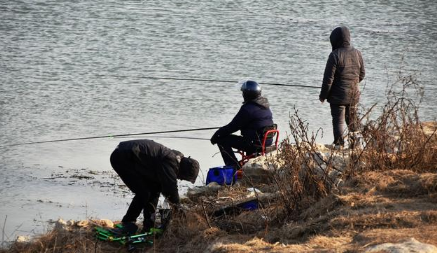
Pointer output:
x,y
329,243
322,207
77,240
411,184
378,219
397,139
367,181
424,233
304,178
400,183
232,246
185,232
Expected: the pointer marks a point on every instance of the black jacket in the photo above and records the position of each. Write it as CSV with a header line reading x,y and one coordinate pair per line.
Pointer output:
x,y
343,71
158,164
251,119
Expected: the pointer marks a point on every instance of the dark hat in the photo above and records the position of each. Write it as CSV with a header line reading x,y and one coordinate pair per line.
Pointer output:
x,y
251,90
340,37
189,169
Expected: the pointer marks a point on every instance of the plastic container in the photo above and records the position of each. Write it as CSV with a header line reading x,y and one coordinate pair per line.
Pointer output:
x,y
224,175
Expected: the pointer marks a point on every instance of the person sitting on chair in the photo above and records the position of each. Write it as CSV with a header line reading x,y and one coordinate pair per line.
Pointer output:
x,y
149,169
253,116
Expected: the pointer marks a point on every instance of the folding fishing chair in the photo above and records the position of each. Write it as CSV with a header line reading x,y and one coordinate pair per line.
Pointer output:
x,y
269,132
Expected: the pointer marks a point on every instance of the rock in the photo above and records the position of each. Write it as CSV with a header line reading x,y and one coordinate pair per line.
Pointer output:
x,y
71,223
101,223
409,246
253,192
198,191
260,169
61,225
22,239
83,223
322,147
429,128
105,223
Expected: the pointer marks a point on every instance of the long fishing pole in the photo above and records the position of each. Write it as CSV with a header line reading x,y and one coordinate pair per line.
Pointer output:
x,y
214,80
112,136
159,132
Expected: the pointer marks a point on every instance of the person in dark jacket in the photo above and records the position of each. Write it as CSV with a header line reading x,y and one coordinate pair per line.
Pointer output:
x,y
253,116
343,72
149,169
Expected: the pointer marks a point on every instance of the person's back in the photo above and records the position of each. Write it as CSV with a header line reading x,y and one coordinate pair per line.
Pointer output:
x,y
253,116
343,72
147,151
148,169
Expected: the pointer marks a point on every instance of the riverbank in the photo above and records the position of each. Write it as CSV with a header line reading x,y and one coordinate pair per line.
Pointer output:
x,y
363,211
370,209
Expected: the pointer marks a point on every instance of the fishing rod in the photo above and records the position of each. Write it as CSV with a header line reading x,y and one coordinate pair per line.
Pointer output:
x,y
112,136
177,137
213,80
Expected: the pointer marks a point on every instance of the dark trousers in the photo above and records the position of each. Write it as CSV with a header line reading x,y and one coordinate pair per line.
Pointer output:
x,y
342,114
226,144
146,198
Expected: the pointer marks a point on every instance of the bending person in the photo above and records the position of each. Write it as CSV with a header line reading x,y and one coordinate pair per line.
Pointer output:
x,y
149,169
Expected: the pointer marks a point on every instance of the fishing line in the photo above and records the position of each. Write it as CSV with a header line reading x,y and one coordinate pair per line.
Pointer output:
x,y
212,80
112,136
158,132
175,137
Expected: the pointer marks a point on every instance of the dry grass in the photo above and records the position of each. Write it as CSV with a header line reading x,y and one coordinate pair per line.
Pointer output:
x,y
75,241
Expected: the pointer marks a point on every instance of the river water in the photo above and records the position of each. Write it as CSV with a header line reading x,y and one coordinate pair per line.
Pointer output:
x,y
72,69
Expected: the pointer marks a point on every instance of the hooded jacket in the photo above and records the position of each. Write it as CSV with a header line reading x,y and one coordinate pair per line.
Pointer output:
x,y
253,116
158,164
344,70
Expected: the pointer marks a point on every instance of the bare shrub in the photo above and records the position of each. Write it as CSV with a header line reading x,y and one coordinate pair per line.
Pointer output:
x,y
55,241
304,178
396,139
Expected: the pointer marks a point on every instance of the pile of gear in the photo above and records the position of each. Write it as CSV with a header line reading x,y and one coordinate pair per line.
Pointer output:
x,y
128,234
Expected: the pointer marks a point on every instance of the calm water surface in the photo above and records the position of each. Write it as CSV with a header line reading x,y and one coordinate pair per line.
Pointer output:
x,y
79,68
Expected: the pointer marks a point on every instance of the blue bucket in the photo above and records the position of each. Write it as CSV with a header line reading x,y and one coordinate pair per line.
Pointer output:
x,y
224,175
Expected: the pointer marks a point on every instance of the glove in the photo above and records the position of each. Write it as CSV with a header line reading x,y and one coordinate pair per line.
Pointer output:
x,y
321,99
214,139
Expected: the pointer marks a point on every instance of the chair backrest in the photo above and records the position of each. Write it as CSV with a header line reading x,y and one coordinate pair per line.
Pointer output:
x,y
269,133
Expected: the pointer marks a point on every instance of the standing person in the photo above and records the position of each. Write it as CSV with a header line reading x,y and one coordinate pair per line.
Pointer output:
x,y
344,71
149,169
253,116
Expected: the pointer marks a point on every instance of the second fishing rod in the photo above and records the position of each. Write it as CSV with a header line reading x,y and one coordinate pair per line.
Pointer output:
x,y
112,136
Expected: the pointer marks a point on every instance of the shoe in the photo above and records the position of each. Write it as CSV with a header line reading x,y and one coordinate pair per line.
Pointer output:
x,y
126,228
